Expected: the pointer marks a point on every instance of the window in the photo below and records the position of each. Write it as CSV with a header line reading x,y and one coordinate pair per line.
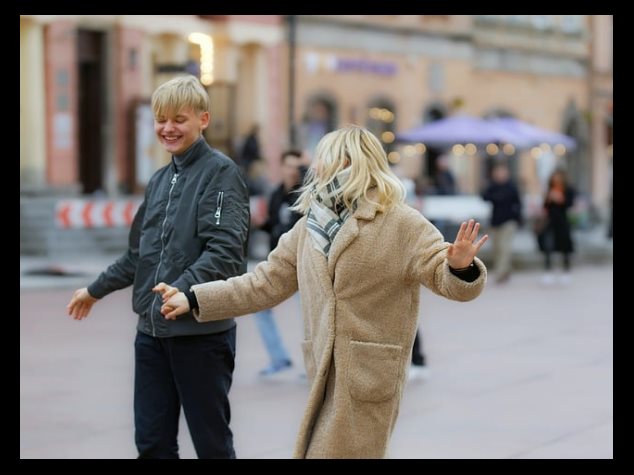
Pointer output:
x,y
319,119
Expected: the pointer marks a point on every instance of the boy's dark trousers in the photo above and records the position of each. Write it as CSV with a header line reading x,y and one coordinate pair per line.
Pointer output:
x,y
193,371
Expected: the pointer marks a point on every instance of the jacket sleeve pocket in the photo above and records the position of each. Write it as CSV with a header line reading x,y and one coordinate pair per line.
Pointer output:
x,y
309,360
373,370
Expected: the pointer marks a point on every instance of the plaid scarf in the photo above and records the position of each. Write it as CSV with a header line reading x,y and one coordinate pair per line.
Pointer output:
x,y
327,214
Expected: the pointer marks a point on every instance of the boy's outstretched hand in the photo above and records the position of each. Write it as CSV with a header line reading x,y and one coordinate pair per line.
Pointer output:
x,y
460,254
80,304
174,302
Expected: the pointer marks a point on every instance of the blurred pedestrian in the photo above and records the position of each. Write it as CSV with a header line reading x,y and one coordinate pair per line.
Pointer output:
x,y
556,234
445,182
505,218
280,220
250,149
191,227
418,369
358,257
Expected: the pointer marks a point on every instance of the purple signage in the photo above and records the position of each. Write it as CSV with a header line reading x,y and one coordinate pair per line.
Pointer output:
x,y
365,66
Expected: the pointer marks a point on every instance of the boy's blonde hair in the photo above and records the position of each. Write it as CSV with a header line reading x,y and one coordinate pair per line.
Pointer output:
x,y
358,148
183,92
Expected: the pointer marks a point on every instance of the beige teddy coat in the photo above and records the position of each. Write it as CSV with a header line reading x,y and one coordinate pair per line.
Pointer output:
x,y
360,310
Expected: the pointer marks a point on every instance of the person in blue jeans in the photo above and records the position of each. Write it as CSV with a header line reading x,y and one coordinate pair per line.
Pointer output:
x,y
280,220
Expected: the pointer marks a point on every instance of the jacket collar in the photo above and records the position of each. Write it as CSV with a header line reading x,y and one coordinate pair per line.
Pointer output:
x,y
182,161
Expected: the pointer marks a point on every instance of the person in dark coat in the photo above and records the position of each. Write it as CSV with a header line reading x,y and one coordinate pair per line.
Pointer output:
x,y
250,149
505,218
192,227
556,235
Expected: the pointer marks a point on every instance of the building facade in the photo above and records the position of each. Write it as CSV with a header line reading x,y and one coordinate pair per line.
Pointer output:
x,y
393,72
86,83
85,123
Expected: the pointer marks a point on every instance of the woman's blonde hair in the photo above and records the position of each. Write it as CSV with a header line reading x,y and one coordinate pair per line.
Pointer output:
x,y
183,92
358,148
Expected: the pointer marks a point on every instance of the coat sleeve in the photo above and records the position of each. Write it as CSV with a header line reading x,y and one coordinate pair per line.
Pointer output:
x,y
121,274
269,284
426,262
225,236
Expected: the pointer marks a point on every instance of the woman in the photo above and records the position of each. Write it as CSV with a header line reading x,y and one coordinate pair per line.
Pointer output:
x,y
557,236
358,257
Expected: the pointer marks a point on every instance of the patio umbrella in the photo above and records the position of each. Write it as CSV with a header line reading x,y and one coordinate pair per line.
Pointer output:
x,y
462,129
534,135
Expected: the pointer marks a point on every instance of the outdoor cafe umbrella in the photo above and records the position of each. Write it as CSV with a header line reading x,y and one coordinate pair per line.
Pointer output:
x,y
534,135
462,129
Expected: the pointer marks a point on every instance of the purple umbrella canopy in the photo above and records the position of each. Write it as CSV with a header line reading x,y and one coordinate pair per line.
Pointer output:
x,y
533,134
467,129
461,129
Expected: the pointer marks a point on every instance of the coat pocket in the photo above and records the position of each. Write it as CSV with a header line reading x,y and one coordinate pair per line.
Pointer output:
x,y
309,359
373,370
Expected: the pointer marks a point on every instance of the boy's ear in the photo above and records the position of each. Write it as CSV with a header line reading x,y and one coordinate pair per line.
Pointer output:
x,y
204,120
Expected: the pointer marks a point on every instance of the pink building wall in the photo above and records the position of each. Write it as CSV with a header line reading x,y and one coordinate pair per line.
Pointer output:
x,y
129,81
60,56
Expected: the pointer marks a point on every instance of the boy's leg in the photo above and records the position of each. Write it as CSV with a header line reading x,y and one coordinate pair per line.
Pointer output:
x,y
203,370
156,402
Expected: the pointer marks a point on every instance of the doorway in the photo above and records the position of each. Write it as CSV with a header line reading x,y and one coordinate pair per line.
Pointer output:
x,y
91,91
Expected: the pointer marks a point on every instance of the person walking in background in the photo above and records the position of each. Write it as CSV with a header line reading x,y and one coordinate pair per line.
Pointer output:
x,y
556,235
358,257
250,149
445,185
191,228
505,218
418,369
444,181
280,220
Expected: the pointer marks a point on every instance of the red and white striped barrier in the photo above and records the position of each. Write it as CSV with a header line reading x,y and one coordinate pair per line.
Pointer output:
x,y
80,213
95,213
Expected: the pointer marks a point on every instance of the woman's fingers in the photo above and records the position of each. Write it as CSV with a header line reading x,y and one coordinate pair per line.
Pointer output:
x,y
474,232
169,312
468,230
460,234
481,242
169,293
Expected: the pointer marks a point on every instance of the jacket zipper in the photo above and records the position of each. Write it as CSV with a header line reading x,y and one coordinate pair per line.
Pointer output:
x,y
221,195
169,199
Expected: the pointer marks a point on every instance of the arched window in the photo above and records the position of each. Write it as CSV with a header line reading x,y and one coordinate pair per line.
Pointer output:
x,y
320,117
